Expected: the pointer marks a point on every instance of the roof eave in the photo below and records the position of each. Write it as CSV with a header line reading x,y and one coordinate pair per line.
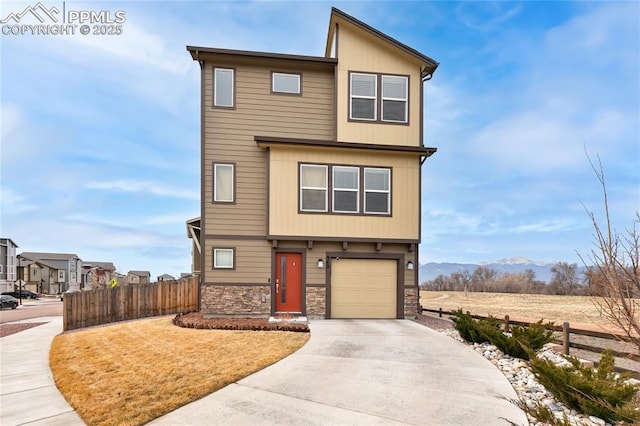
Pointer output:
x,y
314,143
197,52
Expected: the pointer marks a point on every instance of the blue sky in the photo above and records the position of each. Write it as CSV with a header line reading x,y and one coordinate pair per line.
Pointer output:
x,y
100,134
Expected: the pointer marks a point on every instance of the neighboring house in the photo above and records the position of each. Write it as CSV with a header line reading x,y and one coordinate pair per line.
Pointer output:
x,y
166,277
193,232
120,279
8,264
37,276
139,277
64,270
96,274
311,177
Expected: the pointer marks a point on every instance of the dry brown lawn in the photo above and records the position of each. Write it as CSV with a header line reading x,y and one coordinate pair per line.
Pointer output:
x,y
131,373
532,307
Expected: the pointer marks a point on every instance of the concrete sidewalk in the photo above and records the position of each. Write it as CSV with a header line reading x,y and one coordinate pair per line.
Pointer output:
x,y
364,372
27,391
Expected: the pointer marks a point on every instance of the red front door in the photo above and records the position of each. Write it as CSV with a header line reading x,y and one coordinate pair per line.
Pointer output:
x,y
288,282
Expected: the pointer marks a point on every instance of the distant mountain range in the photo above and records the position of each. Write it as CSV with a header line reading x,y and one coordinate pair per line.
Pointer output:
x,y
429,271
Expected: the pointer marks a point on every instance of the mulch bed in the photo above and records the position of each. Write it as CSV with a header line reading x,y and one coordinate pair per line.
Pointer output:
x,y
198,321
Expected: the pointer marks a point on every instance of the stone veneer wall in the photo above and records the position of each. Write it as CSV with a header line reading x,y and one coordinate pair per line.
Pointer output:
x,y
410,302
316,302
236,301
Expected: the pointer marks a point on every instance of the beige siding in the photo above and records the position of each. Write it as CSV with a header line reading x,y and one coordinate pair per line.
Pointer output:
x,y
284,218
362,52
229,136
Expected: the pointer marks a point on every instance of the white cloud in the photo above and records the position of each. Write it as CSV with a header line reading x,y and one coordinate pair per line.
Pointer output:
x,y
150,187
486,16
13,202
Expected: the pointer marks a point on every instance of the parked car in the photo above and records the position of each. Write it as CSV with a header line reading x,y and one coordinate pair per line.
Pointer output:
x,y
71,290
26,294
7,301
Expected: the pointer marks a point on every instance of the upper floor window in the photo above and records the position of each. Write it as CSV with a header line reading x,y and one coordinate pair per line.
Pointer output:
x,y
313,188
223,183
391,106
223,87
346,184
377,191
364,90
348,190
285,83
394,98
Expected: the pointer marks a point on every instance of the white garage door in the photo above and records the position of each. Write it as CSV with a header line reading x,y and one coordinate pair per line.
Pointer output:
x,y
363,288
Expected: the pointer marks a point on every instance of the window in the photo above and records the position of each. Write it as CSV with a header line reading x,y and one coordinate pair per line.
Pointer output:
x,y
394,98
223,87
377,192
223,183
313,188
346,185
364,89
223,258
285,83
391,107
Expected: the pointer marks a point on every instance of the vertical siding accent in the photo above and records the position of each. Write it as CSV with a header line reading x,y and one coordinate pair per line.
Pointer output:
x,y
364,53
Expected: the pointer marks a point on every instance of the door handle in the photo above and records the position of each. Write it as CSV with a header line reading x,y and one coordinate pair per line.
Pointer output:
x,y
277,287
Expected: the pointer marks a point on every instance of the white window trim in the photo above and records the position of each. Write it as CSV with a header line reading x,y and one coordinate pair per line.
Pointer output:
x,y
215,258
215,87
388,191
284,74
374,97
317,188
405,99
215,182
356,190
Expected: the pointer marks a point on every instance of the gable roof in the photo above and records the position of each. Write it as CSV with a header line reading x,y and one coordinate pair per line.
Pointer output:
x,y
23,262
107,266
48,256
6,241
429,65
166,276
140,273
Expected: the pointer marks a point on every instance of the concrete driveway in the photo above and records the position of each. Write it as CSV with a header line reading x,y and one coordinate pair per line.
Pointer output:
x,y
363,372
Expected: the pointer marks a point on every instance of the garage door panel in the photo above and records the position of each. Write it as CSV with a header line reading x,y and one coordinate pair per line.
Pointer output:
x,y
363,288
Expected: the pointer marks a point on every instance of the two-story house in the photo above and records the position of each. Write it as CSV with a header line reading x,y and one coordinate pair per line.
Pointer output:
x,y
8,264
138,277
311,177
57,272
96,274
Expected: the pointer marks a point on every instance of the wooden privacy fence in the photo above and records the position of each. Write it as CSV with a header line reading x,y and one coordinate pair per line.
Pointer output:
x,y
107,305
565,341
